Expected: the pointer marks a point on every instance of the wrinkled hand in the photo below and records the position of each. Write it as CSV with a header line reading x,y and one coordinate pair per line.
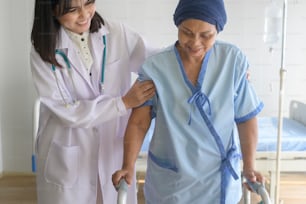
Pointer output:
x,y
139,93
253,176
122,174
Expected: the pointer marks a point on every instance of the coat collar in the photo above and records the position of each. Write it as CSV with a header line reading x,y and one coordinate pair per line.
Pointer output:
x,y
66,45
64,41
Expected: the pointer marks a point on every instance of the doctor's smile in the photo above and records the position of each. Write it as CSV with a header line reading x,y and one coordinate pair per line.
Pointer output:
x,y
77,18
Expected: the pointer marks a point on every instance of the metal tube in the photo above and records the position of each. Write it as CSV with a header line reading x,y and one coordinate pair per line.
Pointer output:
x,y
34,132
122,192
280,112
260,189
264,195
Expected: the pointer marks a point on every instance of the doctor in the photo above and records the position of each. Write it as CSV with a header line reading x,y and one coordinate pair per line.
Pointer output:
x,y
81,66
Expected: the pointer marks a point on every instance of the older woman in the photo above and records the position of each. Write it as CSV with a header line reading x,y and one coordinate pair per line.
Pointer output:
x,y
203,95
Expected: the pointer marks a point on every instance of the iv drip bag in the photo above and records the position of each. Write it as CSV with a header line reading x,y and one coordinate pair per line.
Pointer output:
x,y
273,23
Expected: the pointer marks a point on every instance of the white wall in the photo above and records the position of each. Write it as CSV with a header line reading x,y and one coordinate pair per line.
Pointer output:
x,y
3,62
16,85
245,28
152,18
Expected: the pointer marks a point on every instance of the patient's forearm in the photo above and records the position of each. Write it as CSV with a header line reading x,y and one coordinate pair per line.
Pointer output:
x,y
132,143
248,141
137,128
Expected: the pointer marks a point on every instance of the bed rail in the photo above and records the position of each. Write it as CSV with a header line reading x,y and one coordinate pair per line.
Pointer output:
x,y
297,111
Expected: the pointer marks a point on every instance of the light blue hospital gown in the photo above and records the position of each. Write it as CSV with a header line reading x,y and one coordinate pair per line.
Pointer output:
x,y
185,162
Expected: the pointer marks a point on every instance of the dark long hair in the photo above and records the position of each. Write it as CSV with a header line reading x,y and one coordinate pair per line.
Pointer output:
x,y
46,27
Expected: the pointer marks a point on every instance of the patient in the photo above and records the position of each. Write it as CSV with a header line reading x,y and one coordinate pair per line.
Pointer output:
x,y
202,94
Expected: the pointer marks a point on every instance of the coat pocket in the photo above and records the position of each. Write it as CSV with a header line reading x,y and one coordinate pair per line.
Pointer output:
x,y
62,165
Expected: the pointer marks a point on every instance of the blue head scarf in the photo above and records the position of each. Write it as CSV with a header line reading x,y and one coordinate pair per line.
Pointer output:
x,y
210,11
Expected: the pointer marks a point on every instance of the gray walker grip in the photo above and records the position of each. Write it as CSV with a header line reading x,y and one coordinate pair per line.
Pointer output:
x,y
122,192
260,189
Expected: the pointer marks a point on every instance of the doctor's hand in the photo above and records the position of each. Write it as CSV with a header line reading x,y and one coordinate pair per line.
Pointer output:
x,y
125,174
139,93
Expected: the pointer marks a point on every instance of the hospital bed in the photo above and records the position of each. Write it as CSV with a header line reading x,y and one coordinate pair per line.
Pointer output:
x,y
293,154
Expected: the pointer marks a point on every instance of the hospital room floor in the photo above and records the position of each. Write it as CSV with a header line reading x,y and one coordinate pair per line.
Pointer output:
x,y
21,189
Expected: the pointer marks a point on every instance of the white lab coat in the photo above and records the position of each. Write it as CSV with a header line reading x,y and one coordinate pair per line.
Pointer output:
x,y
77,144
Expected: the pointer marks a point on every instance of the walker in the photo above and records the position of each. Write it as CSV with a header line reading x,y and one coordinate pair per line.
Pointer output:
x,y
122,192
256,187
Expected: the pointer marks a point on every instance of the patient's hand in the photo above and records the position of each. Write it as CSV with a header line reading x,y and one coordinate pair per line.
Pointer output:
x,y
253,176
122,174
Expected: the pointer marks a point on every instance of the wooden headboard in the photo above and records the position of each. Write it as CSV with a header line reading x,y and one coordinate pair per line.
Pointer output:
x,y
297,111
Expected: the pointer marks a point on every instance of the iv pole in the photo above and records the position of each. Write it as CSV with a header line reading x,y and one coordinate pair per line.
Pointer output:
x,y
280,110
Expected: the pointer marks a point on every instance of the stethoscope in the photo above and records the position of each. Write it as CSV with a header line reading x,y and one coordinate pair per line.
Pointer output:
x,y
74,97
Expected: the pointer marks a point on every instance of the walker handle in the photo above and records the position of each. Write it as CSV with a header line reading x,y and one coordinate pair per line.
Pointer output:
x,y
122,192
260,189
